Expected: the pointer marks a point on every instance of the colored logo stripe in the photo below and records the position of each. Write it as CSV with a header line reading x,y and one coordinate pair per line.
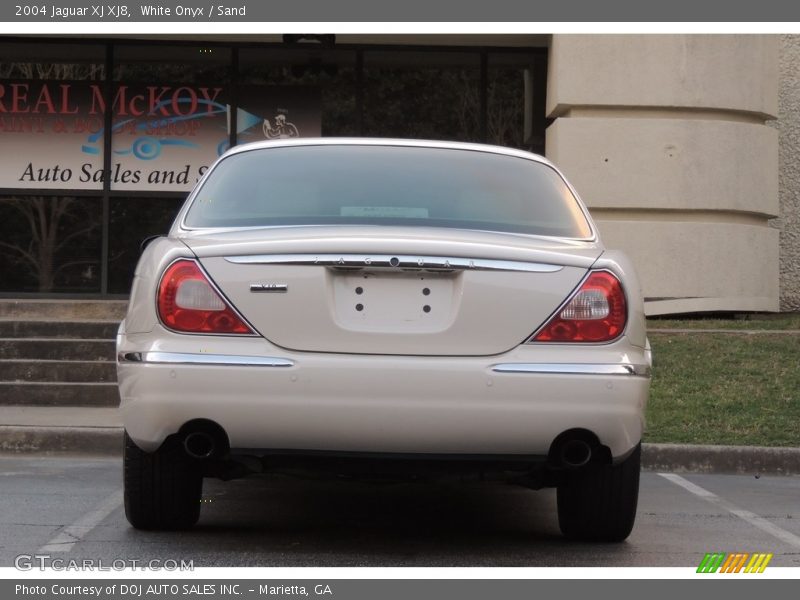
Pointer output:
x,y
758,563
711,562
734,562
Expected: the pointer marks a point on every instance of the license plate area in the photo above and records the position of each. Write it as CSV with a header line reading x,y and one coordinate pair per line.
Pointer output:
x,y
403,302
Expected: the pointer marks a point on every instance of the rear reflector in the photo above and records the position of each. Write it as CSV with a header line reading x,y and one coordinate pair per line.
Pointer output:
x,y
187,302
595,313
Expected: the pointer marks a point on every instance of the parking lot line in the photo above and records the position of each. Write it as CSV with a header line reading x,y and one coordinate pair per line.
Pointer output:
x,y
70,535
752,518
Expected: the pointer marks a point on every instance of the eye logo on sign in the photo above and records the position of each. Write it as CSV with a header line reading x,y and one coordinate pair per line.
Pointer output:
x,y
148,146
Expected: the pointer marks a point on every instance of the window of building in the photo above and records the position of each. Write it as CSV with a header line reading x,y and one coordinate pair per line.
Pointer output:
x,y
277,82
50,244
173,63
131,221
427,95
516,98
71,61
101,141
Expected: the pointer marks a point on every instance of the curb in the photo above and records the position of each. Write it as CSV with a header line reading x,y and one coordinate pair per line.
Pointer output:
x,y
753,460
739,331
682,458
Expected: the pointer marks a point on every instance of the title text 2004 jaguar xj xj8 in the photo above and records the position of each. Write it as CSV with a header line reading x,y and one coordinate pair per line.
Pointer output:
x,y
384,308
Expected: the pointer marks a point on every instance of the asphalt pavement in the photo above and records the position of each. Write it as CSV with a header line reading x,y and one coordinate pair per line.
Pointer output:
x,y
71,508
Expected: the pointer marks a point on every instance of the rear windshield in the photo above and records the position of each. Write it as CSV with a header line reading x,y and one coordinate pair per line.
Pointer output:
x,y
387,185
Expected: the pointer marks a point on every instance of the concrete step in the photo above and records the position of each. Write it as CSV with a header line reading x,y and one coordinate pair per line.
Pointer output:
x,y
94,441
83,310
60,430
56,349
10,328
58,370
58,394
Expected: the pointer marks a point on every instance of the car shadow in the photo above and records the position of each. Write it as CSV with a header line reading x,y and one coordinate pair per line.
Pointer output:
x,y
277,521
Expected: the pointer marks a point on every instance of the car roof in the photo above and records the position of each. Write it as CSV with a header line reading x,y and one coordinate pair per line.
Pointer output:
x,y
409,143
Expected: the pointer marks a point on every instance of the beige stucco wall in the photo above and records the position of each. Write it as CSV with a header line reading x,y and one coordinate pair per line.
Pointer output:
x,y
737,72
788,126
665,138
669,163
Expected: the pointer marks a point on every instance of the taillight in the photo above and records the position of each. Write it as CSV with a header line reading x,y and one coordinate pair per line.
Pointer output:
x,y
596,313
187,302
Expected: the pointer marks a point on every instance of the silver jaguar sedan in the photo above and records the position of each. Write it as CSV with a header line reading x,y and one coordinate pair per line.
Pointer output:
x,y
377,308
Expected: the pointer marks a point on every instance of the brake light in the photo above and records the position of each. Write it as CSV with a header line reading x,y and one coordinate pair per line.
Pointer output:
x,y
596,313
187,302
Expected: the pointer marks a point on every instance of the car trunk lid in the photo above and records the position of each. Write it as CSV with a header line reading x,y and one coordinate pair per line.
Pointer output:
x,y
387,290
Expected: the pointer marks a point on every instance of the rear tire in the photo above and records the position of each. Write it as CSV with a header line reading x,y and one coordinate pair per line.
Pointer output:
x,y
162,488
599,503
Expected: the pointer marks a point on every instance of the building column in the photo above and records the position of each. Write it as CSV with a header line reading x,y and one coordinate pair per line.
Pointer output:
x,y
665,139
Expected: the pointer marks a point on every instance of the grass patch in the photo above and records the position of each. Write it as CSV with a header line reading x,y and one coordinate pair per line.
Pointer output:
x,y
725,389
769,322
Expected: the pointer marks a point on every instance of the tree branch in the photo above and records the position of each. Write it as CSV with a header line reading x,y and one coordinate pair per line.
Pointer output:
x,y
75,234
25,254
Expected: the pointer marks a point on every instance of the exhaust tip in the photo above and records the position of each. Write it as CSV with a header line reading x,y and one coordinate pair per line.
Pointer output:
x,y
199,444
575,453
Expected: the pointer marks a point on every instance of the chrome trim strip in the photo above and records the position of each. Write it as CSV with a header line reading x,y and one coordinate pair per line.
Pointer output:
x,y
185,358
398,261
574,369
269,288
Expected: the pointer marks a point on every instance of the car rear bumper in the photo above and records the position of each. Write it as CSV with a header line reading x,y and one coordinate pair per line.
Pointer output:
x,y
268,398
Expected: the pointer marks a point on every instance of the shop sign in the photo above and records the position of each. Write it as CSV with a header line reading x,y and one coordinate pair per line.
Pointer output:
x,y
164,137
